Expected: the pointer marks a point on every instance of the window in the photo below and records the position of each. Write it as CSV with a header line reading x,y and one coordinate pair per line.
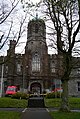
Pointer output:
x,y
36,28
6,69
78,86
78,71
18,67
36,63
52,67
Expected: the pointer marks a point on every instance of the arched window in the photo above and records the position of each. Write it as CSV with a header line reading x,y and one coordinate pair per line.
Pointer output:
x,y
52,67
18,67
36,63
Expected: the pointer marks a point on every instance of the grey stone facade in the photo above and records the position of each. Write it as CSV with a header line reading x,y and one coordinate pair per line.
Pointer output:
x,y
36,70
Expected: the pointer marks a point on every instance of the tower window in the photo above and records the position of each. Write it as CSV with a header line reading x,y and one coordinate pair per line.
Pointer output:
x,y
35,63
36,28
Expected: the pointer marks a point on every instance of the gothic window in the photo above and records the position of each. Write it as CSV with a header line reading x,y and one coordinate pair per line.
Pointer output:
x,y
6,68
36,63
78,70
52,67
18,67
78,86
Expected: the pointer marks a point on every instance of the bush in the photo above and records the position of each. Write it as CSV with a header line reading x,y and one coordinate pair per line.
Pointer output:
x,y
20,95
8,102
59,94
54,95
50,95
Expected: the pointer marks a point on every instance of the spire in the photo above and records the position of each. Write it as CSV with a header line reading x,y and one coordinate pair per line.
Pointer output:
x,y
36,16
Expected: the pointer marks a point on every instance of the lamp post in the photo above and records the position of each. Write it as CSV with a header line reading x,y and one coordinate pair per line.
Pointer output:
x,y
23,77
2,72
22,67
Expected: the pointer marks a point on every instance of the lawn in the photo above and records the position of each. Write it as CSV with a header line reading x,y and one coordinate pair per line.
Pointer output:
x,y
8,102
74,104
67,115
56,102
14,103
9,115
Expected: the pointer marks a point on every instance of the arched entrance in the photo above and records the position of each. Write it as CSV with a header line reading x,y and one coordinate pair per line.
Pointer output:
x,y
35,87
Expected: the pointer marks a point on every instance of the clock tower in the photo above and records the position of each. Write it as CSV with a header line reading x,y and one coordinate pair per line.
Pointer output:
x,y
36,55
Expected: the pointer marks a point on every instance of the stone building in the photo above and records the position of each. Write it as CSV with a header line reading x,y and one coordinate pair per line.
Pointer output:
x,y
36,70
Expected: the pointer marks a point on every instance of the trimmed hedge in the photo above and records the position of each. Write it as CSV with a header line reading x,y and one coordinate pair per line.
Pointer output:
x,y
54,95
8,102
20,95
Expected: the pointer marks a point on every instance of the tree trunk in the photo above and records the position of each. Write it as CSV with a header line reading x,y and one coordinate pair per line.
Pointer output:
x,y
65,103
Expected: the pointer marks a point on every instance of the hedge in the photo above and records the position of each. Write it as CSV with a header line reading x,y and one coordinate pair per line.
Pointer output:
x,y
54,95
20,95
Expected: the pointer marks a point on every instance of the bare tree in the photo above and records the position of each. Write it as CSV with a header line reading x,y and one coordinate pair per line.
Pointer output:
x,y
11,23
5,12
65,16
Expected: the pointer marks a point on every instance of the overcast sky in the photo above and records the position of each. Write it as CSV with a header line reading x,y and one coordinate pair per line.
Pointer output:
x,y
35,1
20,14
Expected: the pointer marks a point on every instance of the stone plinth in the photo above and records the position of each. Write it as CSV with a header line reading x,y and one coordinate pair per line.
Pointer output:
x,y
36,102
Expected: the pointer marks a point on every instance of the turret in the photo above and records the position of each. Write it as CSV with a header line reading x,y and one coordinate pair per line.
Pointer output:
x,y
36,36
36,28
12,47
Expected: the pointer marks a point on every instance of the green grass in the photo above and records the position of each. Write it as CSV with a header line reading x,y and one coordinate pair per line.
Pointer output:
x,y
56,102
67,115
15,103
10,115
74,103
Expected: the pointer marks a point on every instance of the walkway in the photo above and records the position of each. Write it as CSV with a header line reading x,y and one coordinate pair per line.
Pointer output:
x,y
39,113
35,113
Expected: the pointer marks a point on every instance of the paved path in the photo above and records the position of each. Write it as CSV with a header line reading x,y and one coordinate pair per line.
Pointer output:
x,y
35,113
12,109
39,113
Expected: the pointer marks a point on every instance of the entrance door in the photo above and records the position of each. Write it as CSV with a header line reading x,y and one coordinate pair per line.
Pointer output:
x,y
35,87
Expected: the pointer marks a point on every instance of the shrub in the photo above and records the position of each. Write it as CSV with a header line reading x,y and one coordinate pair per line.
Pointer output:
x,y
59,94
50,95
20,95
8,102
54,95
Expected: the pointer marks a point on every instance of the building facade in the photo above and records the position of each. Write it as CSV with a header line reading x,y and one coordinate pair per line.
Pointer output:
x,y
36,70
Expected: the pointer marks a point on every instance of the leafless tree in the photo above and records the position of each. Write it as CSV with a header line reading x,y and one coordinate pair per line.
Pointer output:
x,y
5,12
65,16
11,23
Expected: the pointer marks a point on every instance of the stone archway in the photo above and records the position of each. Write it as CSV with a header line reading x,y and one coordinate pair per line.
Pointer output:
x,y
35,87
